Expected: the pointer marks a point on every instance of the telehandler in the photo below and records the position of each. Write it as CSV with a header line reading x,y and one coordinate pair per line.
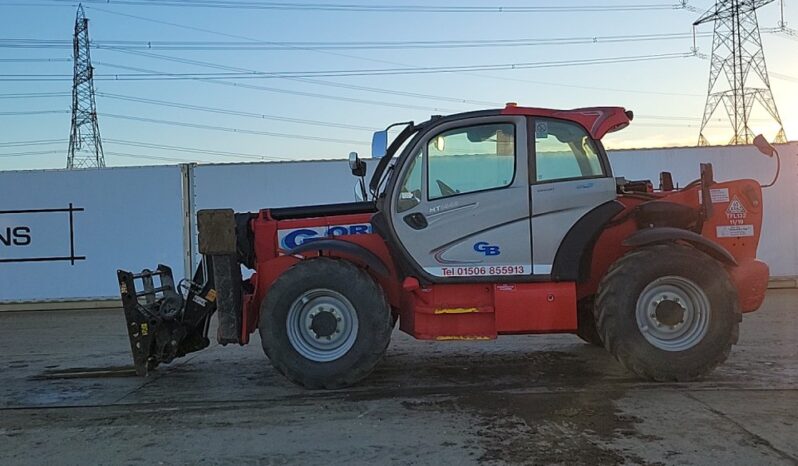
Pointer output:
x,y
473,225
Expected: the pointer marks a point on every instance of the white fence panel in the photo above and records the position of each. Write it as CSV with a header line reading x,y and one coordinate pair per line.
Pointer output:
x,y
127,218
249,187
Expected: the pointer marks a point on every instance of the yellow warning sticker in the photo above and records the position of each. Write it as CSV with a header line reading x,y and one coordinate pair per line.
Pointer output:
x,y
462,337
211,295
145,329
457,310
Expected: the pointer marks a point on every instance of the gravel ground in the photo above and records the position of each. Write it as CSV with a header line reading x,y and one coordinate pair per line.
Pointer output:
x,y
521,399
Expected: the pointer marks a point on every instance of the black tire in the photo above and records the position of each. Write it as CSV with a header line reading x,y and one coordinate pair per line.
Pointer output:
x,y
616,312
374,323
586,322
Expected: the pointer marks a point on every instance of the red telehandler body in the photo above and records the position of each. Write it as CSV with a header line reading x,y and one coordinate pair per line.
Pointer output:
x,y
485,223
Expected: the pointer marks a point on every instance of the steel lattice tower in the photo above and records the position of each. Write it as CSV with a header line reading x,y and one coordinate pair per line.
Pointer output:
x,y
738,76
85,146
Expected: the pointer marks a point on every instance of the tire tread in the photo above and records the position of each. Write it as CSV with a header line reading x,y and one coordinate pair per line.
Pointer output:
x,y
609,312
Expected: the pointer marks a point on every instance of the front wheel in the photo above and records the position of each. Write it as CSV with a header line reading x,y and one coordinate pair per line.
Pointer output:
x,y
668,312
325,323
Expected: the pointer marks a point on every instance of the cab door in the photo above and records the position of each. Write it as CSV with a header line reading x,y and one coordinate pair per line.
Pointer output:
x,y
571,176
460,207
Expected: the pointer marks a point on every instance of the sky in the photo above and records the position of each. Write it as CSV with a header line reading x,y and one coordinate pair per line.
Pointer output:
x,y
278,118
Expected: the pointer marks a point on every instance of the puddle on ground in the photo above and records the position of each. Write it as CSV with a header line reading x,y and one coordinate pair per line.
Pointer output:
x,y
568,425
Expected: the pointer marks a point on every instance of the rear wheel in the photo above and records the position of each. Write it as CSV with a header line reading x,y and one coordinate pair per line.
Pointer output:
x,y
325,323
668,312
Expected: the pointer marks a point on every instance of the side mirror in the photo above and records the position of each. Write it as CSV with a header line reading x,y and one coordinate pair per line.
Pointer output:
x,y
379,144
357,166
354,161
764,146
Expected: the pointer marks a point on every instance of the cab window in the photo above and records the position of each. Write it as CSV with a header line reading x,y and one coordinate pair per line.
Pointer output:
x,y
564,150
410,194
470,159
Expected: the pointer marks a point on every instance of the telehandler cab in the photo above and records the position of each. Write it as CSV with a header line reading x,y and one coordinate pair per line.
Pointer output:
x,y
486,223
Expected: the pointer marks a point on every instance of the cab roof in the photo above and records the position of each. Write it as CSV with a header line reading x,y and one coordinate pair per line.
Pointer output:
x,y
598,121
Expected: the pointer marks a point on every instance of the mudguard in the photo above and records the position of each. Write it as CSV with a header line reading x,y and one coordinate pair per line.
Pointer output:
x,y
664,234
344,247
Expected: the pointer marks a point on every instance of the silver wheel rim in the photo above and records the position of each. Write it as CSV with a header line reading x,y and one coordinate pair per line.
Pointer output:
x,y
322,325
673,313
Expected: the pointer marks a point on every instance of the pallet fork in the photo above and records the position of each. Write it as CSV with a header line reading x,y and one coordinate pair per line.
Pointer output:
x,y
167,321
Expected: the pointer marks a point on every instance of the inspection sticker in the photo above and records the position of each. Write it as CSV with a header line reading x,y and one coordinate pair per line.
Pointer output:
x,y
734,231
719,195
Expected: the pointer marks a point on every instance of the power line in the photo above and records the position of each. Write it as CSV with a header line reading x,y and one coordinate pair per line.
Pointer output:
x,y
237,36
232,130
32,112
38,142
172,159
355,72
31,4
786,32
303,80
205,151
364,45
388,8
34,60
317,95
417,95
593,88
223,111
34,95
25,154
391,91
195,150
147,157
240,155
784,77
269,89
325,96
277,90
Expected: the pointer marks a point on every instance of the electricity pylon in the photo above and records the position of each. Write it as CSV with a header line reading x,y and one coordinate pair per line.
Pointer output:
x,y
85,146
738,76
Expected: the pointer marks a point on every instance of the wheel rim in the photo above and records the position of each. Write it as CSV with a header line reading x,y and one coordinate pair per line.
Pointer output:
x,y
673,313
322,325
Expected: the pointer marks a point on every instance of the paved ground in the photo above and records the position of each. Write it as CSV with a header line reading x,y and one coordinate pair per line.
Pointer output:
x,y
535,400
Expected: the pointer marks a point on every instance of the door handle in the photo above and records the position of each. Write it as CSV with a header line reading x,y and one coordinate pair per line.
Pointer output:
x,y
416,221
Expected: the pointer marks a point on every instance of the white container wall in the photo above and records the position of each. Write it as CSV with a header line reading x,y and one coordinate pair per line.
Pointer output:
x,y
249,187
128,218
63,234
